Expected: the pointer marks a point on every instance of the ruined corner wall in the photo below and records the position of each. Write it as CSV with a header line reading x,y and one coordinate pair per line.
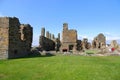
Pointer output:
x,y
19,38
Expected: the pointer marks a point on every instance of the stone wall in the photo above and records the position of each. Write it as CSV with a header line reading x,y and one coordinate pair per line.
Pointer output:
x,y
99,41
69,39
20,40
4,42
79,45
17,38
86,44
46,43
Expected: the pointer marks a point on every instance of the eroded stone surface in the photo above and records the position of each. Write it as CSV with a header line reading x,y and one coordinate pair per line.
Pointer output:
x,y
69,39
15,38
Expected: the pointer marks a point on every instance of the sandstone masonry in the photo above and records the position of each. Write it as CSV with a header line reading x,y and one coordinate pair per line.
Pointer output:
x,y
69,39
15,38
49,42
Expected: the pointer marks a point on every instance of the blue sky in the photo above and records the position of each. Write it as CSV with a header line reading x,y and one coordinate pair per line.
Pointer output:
x,y
88,17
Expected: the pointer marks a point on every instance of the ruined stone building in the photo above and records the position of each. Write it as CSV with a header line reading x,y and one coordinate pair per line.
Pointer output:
x,y
15,38
114,44
99,41
85,44
79,45
49,42
69,39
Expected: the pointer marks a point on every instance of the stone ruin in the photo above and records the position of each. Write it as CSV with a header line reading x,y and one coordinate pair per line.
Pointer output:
x,y
49,42
83,44
114,44
15,38
79,45
86,44
69,39
99,41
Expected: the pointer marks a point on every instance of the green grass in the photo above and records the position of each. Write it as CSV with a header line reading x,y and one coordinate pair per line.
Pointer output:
x,y
61,68
91,51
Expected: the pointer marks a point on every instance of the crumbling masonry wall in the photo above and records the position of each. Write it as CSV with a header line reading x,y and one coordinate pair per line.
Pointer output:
x,y
99,41
15,38
49,42
46,43
69,39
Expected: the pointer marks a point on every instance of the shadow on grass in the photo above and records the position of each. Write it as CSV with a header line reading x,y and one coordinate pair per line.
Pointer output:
x,y
47,54
38,54
35,55
90,53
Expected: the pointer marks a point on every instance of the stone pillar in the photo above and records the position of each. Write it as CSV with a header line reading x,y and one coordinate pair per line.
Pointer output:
x,y
42,31
47,34
65,26
59,36
52,37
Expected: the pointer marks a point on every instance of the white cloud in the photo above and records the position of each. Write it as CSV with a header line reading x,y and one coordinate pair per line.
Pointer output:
x,y
82,36
107,33
110,36
113,38
90,38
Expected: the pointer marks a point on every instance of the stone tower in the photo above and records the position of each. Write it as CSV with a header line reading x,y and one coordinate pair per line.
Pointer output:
x,y
69,39
65,26
42,31
15,38
59,36
47,34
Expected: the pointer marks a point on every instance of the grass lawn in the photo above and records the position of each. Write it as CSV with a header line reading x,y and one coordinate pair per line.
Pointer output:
x,y
91,51
61,68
